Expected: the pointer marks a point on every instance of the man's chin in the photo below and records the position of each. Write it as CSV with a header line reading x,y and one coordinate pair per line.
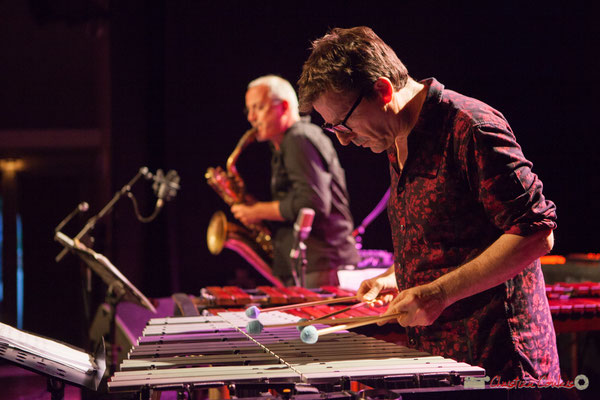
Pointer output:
x,y
377,150
380,146
261,136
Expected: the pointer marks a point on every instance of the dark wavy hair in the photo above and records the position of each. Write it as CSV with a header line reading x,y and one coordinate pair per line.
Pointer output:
x,y
348,60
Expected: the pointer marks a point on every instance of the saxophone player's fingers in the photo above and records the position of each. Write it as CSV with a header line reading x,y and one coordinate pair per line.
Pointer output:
x,y
238,211
243,213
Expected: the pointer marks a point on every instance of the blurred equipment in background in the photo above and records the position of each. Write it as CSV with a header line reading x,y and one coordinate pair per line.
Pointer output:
x,y
372,261
573,290
359,230
119,288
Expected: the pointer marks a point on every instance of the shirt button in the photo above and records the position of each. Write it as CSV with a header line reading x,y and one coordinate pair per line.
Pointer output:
x,y
402,227
412,341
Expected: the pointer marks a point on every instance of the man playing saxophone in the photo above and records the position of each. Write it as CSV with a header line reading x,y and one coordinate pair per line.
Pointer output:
x,y
305,172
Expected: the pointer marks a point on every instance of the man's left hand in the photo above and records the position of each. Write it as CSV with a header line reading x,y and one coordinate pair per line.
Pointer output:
x,y
420,305
246,214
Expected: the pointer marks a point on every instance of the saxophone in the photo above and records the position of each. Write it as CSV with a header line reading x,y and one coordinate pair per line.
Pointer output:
x,y
253,242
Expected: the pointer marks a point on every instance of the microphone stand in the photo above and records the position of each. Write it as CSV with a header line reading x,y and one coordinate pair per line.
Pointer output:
x,y
114,295
381,205
299,257
302,229
107,208
303,262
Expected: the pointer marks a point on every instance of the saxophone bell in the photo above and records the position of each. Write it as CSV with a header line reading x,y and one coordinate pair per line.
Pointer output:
x,y
216,234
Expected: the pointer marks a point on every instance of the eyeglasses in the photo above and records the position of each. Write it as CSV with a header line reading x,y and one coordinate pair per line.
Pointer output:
x,y
342,127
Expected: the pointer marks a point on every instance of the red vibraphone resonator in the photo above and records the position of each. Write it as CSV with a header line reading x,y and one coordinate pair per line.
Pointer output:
x,y
566,290
215,296
575,306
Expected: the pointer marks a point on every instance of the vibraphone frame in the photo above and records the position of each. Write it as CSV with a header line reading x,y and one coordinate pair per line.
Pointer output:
x,y
189,353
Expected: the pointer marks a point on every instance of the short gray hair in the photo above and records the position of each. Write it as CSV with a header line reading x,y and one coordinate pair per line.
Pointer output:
x,y
279,89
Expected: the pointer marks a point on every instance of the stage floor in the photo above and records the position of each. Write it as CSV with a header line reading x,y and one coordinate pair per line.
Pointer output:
x,y
21,384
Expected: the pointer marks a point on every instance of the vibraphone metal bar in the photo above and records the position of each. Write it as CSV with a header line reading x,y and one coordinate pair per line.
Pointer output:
x,y
201,352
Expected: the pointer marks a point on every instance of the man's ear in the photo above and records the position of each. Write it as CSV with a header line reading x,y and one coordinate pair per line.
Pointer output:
x,y
384,88
285,105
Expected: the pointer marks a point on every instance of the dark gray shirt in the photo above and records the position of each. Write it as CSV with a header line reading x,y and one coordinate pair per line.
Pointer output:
x,y
306,172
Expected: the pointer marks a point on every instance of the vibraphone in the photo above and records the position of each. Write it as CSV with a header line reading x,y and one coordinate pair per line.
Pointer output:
x,y
575,306
190,353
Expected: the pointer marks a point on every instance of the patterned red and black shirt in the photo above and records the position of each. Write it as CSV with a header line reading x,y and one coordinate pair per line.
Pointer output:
x,y
465,183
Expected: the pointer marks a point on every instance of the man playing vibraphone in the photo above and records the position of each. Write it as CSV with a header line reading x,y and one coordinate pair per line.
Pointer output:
x,y
468,217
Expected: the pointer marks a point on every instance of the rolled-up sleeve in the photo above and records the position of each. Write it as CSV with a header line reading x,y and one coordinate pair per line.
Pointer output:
x,y
509,191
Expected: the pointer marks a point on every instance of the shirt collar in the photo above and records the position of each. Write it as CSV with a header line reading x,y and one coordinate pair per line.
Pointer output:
x,y
425,140
304,119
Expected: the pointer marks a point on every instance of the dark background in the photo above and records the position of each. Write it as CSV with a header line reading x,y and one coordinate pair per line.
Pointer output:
x,y
125,84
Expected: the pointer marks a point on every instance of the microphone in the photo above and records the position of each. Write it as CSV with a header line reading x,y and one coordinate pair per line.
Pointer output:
x,y
302,229
165,186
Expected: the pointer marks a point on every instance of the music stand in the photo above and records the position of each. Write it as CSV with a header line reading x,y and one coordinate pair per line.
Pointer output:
x,y
119,287
47,357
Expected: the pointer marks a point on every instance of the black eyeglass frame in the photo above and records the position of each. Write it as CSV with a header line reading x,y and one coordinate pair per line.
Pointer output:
x,y
342,127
